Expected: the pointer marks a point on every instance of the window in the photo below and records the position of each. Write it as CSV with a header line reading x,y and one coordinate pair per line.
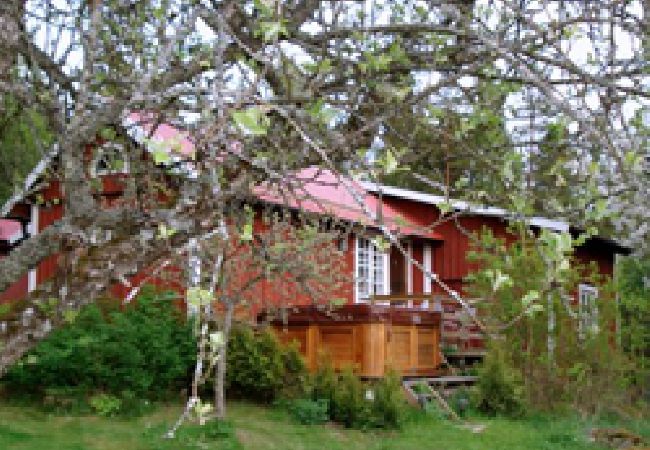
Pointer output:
x,y
109,159
371,271
587,309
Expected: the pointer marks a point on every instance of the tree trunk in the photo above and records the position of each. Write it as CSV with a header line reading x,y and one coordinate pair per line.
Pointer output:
x,y
220,374
550,338
12,13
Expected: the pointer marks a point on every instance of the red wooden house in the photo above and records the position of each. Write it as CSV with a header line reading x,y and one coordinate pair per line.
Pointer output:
x,y
374,333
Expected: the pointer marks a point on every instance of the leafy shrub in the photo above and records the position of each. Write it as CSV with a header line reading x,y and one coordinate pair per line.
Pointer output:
x,y
261,369
421,388
324,381
105,404
310,412
64,399
459,401
144,351
349,404
295,377
498,389
356,404
388,408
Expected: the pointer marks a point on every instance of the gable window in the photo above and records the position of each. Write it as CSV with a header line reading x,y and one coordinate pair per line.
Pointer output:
x,y
587,309
109,159
371,270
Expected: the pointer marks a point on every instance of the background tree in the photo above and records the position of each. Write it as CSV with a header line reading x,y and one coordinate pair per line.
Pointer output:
x,y
562,349
633,278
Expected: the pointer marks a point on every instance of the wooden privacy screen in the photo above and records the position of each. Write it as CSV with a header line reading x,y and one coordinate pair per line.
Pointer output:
x,y
369,338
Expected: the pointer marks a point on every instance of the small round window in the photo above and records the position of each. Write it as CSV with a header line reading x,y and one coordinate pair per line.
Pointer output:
x,y
110,159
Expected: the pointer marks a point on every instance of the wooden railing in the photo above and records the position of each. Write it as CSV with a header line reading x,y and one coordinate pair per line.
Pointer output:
x,y
456,331
424,301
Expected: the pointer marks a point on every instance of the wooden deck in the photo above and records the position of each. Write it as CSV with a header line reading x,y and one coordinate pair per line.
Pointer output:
x,y
367,337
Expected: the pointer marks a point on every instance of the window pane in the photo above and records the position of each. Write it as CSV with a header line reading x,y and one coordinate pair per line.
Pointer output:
x,y
363,268
379,271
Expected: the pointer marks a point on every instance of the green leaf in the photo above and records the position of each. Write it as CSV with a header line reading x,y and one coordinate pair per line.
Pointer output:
x,y
70,315
197,296
390,164
272,30
252,120
217,339
159,13
381,244
247,232
264,7
108,134
445,207
535,308
160,156
500,280
321,112
164,232
529,298
5,308
401,221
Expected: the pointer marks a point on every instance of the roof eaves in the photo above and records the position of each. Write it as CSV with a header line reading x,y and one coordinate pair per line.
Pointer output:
x,y
459,205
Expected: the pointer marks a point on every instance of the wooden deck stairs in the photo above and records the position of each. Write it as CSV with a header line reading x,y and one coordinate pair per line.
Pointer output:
x,y
422,390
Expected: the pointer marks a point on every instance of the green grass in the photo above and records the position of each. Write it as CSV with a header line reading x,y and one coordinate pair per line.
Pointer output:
x,y
26,428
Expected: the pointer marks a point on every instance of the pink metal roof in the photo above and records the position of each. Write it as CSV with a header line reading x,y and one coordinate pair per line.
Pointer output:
x,y
322,191
178,140
10,230
312,189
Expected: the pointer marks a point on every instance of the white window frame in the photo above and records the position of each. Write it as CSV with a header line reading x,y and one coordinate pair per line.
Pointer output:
x,y
409,267
427,264
409,271
99,152
34,225
374,256
587,309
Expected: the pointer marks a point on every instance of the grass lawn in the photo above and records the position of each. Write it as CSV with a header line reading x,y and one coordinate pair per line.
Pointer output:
x,y
25,428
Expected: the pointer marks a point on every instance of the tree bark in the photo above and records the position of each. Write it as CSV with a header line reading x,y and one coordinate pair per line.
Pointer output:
x,y
12,13
220,374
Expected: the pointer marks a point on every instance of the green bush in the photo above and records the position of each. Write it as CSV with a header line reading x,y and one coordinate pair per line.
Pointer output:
x,y
105,404
349,404
64,399
324,382
356,404
498,389
388,408
310,412
143,351
260,369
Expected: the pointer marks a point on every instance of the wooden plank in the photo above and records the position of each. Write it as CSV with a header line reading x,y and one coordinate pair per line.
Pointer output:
x,y
338,343
426,347
373,350
312,351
